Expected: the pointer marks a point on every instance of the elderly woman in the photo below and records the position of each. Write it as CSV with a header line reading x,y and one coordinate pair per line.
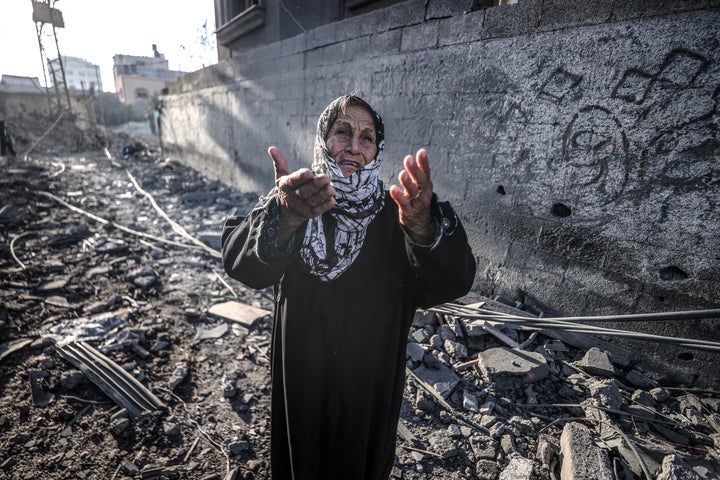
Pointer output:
x,y
350,263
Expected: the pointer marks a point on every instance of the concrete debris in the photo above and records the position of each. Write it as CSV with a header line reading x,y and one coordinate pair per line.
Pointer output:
x,y
597,362
508,368
162,314
239,312
582,458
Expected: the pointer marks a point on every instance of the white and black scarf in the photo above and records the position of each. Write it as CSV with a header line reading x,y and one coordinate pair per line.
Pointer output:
x,y
333,241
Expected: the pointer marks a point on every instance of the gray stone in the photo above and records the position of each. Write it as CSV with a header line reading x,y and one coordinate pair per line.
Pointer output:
x,y
470,402
597,362
442,378
455,349
238,447
606,392
506,367
171,429
582,458
643,398
640,380
415,352
441,444
546,450
487,470
71,379
178,375
419,335
234,311
484,447
519,468
674,468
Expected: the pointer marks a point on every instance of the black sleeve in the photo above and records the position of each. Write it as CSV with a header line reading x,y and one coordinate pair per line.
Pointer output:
x,y
249,248
445,270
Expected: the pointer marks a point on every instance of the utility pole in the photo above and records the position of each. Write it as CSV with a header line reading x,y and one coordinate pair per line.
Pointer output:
x,y
45,13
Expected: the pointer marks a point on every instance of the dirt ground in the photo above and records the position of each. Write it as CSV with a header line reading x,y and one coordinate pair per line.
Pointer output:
x,y
102,250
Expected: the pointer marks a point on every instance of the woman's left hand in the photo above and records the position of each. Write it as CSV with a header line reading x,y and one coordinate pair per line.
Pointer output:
x,y
413,200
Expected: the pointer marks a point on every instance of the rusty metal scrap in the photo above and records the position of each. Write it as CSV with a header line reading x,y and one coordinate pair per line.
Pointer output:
x,y
112,379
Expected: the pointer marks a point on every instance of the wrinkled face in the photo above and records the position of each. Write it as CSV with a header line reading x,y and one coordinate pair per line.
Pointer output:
x,y
351,140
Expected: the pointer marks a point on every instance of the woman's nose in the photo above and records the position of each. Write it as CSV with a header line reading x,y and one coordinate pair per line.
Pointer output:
x,y
353,145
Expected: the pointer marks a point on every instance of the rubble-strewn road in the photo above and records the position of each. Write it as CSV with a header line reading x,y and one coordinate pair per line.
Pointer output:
x,y
131,283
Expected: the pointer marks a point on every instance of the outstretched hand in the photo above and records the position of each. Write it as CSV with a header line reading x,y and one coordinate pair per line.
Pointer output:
x,y
413,200
303,194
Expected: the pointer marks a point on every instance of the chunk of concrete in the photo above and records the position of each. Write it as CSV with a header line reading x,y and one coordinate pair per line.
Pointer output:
x,y
508,367
238,312
582,458
519,468
597,362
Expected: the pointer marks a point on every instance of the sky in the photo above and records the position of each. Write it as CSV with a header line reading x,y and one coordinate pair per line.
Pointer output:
x,y
95,30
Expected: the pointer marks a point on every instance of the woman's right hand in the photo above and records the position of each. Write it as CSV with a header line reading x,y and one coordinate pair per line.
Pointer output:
x,y
303,194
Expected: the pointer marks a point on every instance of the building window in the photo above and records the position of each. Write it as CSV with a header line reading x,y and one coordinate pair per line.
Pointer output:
x,y
142,93
238,18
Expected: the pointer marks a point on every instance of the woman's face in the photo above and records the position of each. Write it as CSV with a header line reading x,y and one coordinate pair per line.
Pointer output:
x,y
351,141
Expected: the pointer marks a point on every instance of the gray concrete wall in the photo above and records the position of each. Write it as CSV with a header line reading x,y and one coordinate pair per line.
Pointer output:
x,y
578,139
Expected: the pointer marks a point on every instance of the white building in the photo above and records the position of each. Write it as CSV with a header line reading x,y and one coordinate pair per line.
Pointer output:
x,y
80,74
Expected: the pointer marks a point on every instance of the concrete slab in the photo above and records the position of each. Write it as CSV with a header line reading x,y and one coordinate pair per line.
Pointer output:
x,y
238,312
507,367
582,458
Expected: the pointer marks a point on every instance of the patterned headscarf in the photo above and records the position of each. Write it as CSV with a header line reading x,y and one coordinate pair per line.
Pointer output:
x,y
332,241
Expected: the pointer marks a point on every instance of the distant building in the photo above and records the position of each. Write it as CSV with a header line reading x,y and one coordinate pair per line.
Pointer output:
x,y
138,78
17,84
80,75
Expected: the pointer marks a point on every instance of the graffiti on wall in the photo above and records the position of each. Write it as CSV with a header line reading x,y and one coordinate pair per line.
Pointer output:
x,y
669,139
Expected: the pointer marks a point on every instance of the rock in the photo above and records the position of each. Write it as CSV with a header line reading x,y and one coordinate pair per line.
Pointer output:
x,y
674,468
470,402
455,349
519,468
415,352
484,447
71,379
420,335
441,444
643,398
238,447
597,362
582,458
606,392
546,451
487,470
129,467
640,380
507,367
171,429
178,375
234,311
423,403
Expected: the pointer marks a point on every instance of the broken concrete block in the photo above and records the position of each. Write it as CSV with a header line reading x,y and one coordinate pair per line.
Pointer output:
x,y
414,352
442,378
470,402
606,392
238,312
506,367
597,362
519,468
582,458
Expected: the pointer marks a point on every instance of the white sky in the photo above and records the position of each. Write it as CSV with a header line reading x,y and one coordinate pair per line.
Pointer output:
x,y
95,30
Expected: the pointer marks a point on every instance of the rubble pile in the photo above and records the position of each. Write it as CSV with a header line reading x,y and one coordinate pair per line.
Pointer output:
x,y
126,352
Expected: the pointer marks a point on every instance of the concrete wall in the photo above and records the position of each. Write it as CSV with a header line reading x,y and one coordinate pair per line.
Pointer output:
x,y
578,139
